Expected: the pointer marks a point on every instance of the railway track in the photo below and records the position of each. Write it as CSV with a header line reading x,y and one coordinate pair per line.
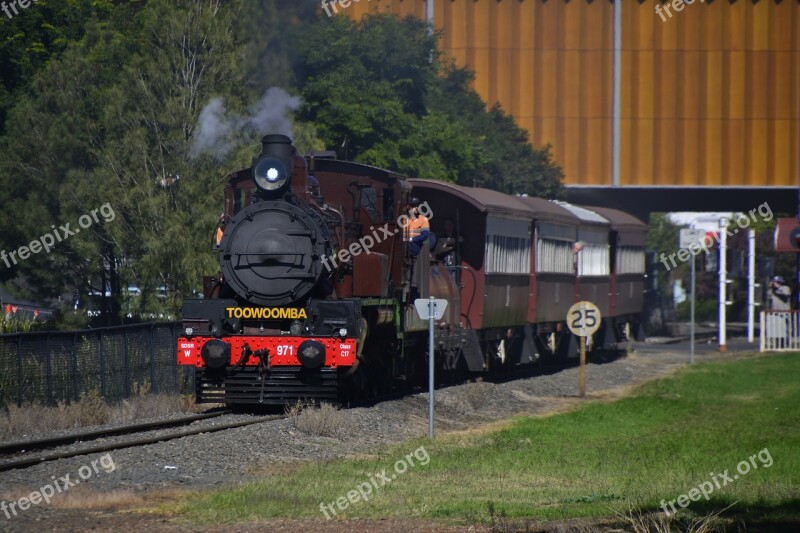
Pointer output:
x,y
20,451
16,455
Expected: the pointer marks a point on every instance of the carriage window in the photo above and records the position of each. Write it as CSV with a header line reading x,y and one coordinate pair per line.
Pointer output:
x,y
593,260
507,255
369,201
238,200
554,256
630,260
388,205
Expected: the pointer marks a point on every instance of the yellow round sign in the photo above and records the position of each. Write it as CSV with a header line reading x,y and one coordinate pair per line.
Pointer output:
x,y
583,318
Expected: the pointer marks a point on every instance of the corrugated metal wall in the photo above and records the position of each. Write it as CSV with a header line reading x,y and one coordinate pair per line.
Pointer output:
x,y
711,96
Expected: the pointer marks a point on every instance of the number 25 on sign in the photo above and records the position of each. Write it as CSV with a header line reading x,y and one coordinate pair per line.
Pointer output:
x,y
583,319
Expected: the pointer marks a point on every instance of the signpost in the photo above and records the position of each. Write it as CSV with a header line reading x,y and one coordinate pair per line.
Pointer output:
x,y
691,238
583,319
430,309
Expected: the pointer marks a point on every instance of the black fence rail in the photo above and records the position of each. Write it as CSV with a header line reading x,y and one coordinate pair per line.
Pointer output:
x,y
52,367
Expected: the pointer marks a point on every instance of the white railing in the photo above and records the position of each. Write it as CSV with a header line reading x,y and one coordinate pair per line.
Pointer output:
x,y
780,331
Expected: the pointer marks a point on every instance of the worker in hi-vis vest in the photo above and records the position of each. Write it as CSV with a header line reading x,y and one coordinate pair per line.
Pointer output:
x,y
418,228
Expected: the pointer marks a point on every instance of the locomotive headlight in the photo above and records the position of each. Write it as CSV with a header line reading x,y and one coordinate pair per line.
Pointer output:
x,y
270,174
189,332
343,332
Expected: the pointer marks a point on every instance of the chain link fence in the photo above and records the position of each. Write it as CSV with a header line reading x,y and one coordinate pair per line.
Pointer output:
x,y
52,367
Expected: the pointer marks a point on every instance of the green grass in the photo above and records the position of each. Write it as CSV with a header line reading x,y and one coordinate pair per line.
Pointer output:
x,y
600,459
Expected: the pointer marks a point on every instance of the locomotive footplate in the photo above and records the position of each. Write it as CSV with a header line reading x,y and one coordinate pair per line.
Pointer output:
x,y
276,386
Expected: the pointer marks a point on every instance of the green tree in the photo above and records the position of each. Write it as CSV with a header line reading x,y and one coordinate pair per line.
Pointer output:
x,y
364,86
169,202
53,137
37,34
111,122
380,92
662,239
508,161
269,29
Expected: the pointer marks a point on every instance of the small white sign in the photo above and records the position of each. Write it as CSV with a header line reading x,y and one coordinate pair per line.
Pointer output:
x,y
688,238
439,305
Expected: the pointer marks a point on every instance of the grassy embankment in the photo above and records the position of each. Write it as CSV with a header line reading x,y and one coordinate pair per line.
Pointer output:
x,y
601,459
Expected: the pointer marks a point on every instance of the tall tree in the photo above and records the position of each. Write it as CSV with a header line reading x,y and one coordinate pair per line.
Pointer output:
x,y
111,122
53,138
365,85
380,92
33,36
167,201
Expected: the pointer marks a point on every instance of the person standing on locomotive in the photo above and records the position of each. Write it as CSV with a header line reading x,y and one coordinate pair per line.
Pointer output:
x,y
223,221
417,230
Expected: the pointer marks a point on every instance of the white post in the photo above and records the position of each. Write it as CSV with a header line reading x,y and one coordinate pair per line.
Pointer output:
x,y
723,278
431,307
751,284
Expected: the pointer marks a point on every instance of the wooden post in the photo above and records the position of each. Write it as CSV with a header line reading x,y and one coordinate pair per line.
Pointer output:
x,y
582,378
583,319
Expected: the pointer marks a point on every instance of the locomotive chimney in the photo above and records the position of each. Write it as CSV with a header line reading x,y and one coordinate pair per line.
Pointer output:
x,y
277,146
280,147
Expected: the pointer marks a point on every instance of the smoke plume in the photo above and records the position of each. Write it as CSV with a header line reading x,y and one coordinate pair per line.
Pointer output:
x,y
218,131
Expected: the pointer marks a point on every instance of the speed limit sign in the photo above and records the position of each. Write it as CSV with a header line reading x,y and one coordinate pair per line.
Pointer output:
x,y
583,318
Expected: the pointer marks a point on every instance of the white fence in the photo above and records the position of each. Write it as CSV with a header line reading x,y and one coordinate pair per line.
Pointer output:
x,y
780,331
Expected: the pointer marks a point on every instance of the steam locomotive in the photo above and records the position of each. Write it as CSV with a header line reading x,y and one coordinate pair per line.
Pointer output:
x,y
314,298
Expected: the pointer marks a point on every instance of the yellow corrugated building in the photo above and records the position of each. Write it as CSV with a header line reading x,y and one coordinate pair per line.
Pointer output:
x,y
709,96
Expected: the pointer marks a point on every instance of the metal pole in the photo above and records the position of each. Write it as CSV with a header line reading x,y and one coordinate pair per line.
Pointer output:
x,y
49,370
174,337
102,368
751,284
76,382
153,385
691,315
127,384
20,374
431,303
617,77
723,278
